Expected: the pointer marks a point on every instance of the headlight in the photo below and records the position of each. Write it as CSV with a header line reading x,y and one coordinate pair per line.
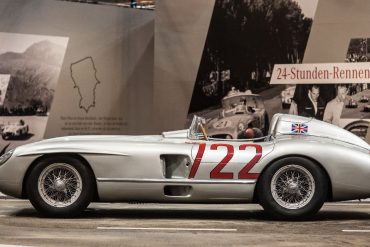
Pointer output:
x,y
241,127
6,156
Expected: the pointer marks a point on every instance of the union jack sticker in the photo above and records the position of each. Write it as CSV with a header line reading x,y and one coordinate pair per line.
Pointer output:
x,y
299,128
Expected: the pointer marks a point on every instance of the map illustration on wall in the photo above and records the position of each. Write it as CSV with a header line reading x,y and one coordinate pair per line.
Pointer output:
x,y
83,74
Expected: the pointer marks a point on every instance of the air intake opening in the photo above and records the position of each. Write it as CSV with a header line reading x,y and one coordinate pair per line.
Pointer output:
x,y
177,190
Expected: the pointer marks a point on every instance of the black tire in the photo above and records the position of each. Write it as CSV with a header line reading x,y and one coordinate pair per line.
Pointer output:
x,y
81,199
358,128
275,205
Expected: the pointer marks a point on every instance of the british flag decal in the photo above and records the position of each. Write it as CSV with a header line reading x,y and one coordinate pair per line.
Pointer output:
x,y
299,128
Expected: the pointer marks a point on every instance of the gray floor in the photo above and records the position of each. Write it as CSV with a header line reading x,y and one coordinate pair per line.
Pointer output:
x,y
121,224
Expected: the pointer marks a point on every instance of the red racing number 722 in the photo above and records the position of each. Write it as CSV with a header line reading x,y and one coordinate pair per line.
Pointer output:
x,y
217,173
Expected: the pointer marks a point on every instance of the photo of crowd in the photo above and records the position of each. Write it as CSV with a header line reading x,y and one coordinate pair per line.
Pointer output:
x,y
245,40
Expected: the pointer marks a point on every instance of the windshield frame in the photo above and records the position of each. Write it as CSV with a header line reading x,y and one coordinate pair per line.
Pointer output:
x,y
194,132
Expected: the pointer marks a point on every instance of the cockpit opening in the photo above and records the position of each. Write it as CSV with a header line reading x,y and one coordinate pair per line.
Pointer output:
x,y
198,132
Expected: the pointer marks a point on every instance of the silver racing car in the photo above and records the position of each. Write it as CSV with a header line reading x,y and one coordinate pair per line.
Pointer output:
x,y
291,172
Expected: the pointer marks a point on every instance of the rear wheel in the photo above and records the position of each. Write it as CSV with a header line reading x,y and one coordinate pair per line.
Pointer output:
x,y
60,186
292,188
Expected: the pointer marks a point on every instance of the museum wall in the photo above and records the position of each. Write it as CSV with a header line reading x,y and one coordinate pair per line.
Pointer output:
x,y
336,23
102,79
180,33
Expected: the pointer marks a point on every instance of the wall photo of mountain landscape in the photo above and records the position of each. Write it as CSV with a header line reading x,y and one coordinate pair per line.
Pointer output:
x,y
29,67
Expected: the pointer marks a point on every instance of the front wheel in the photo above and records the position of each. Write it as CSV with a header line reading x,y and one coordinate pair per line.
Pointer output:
x,y
60,186
292,188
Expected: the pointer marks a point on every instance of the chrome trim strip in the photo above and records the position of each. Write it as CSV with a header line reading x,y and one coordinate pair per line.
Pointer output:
x,y
175,181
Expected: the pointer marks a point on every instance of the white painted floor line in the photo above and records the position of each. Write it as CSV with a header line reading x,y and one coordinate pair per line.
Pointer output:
x,y
168,229
9,245
14,200
347,204
356,231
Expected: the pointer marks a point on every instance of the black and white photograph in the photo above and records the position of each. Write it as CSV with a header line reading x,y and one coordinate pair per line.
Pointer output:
x,y
29,68
344,105
355,116
245,40
358,106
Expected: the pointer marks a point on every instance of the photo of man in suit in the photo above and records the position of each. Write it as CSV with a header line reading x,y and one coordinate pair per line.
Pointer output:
x,y
310,104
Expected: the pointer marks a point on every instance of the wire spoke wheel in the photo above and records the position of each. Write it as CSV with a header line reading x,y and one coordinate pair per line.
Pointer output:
x,y
59,185
292,186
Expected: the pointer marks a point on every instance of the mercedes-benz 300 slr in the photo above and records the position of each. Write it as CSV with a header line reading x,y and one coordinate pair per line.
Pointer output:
x,y
291,172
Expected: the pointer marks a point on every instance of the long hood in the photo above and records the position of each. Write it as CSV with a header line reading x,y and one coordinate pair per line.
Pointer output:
x,y
103,138
94,144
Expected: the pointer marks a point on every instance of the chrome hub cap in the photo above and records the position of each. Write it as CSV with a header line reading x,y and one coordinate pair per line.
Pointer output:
x,y
292,186
60,185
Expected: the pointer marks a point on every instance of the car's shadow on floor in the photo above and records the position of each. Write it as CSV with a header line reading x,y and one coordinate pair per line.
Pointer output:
x,y
196,214
19,138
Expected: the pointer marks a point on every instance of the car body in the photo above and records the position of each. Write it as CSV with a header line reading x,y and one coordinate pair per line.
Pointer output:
x,y
364,99
14,130
301,164
287,96
240,110
367,108
41,111
352,104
